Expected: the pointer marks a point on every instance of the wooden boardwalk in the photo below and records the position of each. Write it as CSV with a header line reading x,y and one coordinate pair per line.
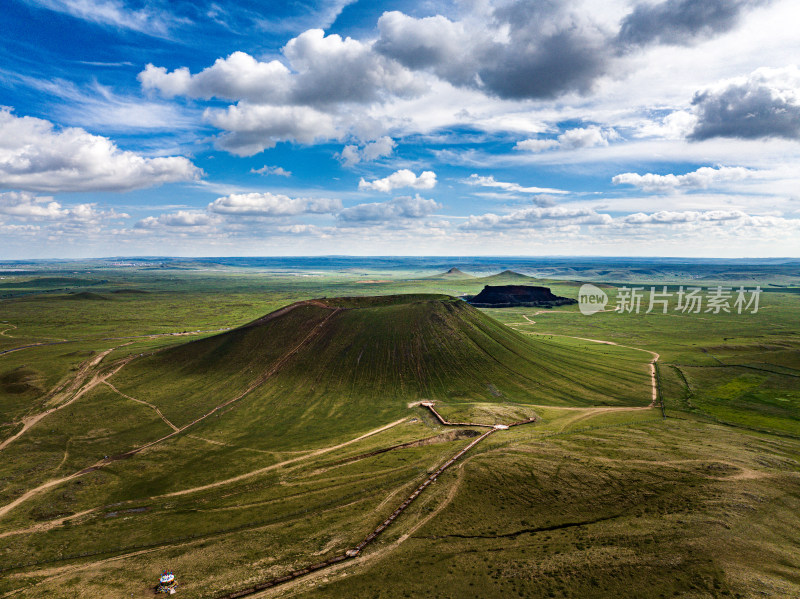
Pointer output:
x,y
355,551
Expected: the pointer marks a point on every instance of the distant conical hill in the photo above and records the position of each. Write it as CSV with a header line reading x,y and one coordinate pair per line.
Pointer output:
x,y
453,273
363,359
507,277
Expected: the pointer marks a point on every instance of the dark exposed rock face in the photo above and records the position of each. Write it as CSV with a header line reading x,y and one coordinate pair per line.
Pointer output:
x,y
503,296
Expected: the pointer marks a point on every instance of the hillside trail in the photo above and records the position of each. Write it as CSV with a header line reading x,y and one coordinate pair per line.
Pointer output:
x,y
99,379
531,321
56,572
652,365
580,414
134,337
5,331
149,405
61,571
315,453
336,562
35,491
545,312
57,522
304,584
48,525
742,472
74,388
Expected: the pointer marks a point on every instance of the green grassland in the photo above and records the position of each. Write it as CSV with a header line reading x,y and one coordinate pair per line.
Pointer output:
x,y
602,497
611,512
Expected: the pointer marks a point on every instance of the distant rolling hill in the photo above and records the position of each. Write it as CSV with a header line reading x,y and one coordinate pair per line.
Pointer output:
x,y
507,277
51,282
359,361
85,295
452,274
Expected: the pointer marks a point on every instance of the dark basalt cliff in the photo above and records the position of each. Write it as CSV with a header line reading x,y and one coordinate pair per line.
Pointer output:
x,y
503,296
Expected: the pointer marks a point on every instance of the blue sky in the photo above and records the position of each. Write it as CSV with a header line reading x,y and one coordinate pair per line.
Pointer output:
x,y
622,127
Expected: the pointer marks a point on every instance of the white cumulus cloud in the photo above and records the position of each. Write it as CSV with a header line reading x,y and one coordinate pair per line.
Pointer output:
x,y
394,209
185,219
535,218
35,156
271,170
571,139
400,179
252,128
269,204
315,93
701,178
237,77
352,155
477,180
26,207
322,70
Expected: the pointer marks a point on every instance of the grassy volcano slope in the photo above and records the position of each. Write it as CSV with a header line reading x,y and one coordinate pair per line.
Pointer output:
x,y
188,380
366,358
447,350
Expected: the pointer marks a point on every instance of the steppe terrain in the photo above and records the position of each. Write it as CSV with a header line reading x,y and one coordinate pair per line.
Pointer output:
x,y
236,423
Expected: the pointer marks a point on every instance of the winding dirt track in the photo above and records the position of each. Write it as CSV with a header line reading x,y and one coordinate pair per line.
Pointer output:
x,y
149,405
315,453
134,337
43,526
99,379
75,387
59,521
374,555
656,356
338,560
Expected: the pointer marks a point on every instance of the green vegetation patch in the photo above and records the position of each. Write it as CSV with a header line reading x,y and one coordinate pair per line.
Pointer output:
x,y
753,398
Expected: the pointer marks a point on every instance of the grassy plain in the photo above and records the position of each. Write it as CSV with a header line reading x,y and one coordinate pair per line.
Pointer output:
x,y
601,497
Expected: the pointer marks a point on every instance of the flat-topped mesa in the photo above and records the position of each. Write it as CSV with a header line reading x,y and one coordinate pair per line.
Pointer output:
x,y
504,296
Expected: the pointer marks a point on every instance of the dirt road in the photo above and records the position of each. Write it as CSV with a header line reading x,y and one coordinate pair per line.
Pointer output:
x,y
134,337
149,405
656,356
339,561
74,388
315,453
128,454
